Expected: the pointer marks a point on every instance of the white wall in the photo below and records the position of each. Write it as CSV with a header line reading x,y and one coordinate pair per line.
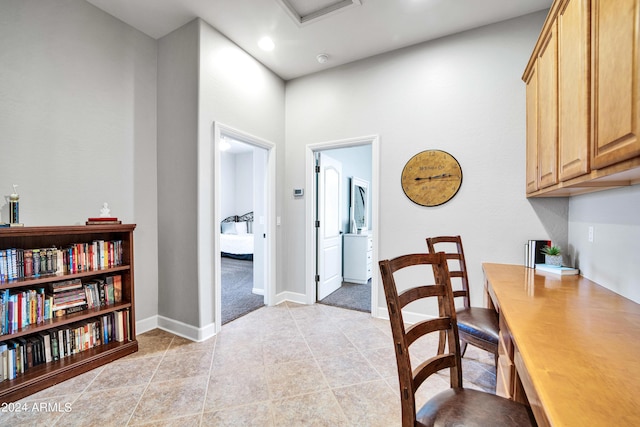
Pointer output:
x,y
244,183
462,94
228,177
237,183
78,123
611,260
177,183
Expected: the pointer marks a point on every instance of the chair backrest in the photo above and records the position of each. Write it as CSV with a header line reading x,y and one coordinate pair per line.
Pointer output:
x,y
452,248
403,336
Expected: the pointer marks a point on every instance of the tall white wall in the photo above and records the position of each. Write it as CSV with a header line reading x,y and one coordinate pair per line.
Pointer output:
x,y
462,94
611,259
78,123
177,167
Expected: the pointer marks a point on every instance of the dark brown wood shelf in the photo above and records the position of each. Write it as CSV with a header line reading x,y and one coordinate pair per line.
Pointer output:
x,y
48,374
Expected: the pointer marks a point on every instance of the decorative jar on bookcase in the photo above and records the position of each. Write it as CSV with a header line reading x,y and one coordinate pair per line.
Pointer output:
x,y
70,313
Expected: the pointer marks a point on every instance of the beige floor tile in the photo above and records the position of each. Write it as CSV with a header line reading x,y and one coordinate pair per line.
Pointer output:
x,y
176,365
370,404
257,414
126,373
329,344
315,409
170,399
188,421
71,386
237,357
284,350
382,359
236,388
92,409
347,369
293,378
369,337
183,345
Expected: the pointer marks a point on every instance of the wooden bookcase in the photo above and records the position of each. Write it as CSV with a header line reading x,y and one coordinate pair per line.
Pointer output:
x,y
45,375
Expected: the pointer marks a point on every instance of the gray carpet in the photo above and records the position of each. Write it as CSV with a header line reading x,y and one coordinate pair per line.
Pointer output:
x,y
237,282
351,296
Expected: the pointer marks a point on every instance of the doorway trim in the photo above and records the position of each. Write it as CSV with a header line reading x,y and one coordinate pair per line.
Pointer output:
x,y
310,209
269,220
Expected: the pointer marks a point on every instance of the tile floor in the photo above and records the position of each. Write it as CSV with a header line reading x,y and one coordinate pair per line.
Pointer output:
x,y
289,365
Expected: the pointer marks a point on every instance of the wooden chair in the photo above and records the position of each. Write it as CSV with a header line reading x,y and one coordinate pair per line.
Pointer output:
x,y
456,405
477,326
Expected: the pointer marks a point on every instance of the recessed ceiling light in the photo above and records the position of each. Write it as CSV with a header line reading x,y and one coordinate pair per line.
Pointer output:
x,y
322,58
266,43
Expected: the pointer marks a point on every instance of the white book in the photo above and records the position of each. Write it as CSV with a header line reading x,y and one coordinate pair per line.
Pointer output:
x,y
562,271
3,361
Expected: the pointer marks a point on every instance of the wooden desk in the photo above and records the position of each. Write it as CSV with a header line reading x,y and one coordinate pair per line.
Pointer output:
x,y
575,346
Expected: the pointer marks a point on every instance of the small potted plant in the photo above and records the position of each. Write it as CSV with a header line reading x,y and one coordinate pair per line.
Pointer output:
x,y
552,255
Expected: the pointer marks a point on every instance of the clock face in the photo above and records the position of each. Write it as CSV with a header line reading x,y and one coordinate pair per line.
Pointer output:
x,y
431,177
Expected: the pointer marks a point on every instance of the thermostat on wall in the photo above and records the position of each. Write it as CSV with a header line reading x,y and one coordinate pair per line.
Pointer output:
x,y
298,192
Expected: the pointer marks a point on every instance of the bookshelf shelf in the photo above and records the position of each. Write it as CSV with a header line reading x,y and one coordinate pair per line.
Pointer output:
x,y
95,325
51,278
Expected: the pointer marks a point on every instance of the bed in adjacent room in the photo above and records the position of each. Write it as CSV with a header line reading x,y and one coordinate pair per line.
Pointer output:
x,y
236,238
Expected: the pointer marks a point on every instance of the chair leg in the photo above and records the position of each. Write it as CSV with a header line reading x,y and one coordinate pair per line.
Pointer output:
x,y
463,348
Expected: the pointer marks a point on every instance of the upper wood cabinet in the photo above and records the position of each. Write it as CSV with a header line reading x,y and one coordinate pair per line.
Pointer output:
x,y
532,130
615,70
573,89
583,103
547,64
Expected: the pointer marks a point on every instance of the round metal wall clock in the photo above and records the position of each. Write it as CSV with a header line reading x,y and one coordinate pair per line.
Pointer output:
x,y
431,178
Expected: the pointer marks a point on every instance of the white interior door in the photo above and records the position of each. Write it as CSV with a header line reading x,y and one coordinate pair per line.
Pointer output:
x,y
329,229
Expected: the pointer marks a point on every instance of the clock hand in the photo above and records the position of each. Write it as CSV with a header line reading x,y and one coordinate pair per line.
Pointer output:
x,y
443,175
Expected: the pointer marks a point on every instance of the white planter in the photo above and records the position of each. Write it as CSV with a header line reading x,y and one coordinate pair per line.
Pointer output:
x,y
553,260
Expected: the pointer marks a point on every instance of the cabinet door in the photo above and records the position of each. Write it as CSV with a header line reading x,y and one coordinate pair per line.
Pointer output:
x,y
532,131
573,89
615,71
547,64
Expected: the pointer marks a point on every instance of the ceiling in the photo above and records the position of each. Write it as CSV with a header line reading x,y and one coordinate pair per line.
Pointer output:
x,y
363,29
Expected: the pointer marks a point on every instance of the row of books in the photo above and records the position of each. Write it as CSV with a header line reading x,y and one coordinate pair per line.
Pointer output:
x,y
21,308
19,355
533,252
17,263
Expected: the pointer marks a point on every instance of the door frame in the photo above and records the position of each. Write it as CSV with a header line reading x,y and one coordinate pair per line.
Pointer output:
x,y
310,209
269,221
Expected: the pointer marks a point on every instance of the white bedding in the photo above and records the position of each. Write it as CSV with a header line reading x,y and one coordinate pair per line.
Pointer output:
x,y
237,244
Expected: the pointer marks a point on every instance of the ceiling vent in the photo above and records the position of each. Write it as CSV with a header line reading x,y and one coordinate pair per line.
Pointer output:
x,y
307,11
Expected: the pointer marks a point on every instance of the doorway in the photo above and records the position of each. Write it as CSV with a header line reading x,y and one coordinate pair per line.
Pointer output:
x,y
314,235
241,240
244,204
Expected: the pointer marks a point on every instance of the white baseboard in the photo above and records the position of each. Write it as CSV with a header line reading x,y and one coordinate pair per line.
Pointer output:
x,y
257,291
146,325
290,296
409,317
186,331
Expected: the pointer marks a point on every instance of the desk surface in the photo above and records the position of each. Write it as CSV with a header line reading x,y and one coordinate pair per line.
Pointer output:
x,y
579,341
